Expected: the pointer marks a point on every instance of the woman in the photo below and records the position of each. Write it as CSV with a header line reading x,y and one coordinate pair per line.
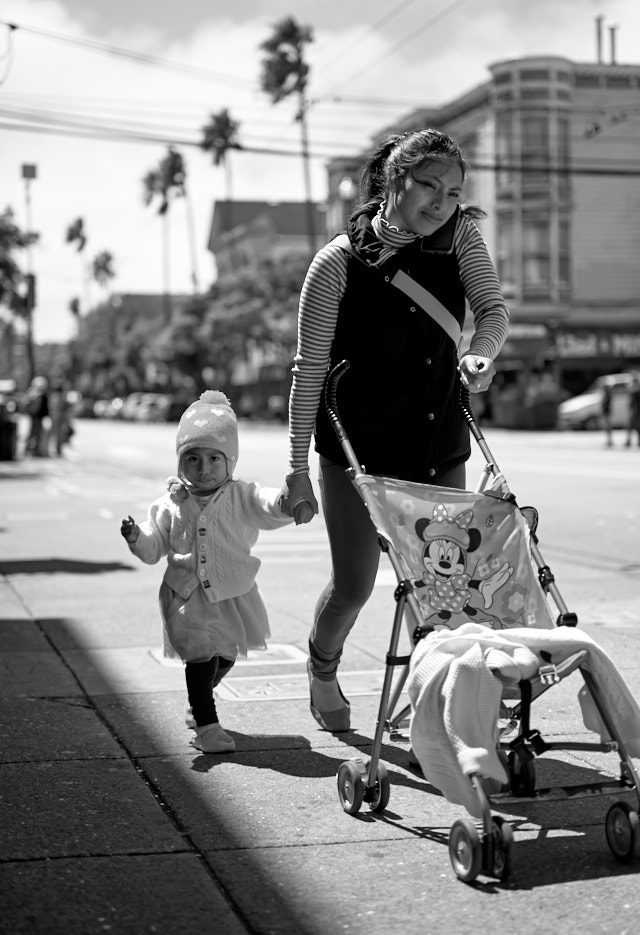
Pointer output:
x,y
411,245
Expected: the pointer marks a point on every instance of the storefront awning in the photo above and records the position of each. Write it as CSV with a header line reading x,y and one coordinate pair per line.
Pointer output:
x,y
526,343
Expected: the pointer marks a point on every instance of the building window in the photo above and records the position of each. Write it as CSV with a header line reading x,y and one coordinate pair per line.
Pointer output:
x,y
535,74
587,81
564,154
535,149
535,254
534,94
504,149
564,251
618,81
505,258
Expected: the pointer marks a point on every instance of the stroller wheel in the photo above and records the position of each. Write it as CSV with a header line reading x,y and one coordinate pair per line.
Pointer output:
x,y
351,785
502,848
378,796
622,830
465,850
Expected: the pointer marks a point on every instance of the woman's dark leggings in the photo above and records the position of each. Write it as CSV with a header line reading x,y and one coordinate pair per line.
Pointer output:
x,y
202,678
355,555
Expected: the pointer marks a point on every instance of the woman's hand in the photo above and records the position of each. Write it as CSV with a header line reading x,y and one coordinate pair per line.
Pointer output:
x,y
297,498
476,372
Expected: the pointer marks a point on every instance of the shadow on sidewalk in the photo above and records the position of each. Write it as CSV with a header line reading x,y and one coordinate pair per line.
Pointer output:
x,y
54,566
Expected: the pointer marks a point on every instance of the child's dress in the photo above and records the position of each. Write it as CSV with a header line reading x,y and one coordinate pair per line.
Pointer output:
x,y
209,601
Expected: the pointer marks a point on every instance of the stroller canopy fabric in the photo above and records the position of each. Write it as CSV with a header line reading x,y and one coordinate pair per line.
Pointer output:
x,y
467,554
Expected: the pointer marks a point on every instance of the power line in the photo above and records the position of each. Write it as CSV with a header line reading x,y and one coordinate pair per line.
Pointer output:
x,y
141,58
626,168
370,29
408,38
96,132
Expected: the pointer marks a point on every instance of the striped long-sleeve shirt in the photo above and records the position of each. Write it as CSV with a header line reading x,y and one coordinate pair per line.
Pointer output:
x,y
320,297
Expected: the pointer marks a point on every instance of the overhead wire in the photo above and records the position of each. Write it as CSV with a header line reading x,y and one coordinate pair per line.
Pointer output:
x,y
627,168
141,58
320,66
409,37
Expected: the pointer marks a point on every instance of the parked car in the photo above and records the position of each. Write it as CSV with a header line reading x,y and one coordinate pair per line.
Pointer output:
x,y
152,407
108,408
130,405
585,410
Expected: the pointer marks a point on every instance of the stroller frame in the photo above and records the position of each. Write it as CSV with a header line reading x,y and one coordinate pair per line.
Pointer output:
x,y
484,846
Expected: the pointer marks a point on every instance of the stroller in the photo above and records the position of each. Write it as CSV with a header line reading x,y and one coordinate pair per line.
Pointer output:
x,y
485,646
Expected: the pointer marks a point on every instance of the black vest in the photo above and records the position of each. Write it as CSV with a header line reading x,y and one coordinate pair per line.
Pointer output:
x,y
399,401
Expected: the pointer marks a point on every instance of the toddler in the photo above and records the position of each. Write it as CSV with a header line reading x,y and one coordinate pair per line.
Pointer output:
x,y
206,524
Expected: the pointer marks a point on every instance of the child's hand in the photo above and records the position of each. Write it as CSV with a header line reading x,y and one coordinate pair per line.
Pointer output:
x,y
129,529
303,512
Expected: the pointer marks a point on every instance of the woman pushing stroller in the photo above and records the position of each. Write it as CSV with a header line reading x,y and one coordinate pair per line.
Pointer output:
x,y
389,297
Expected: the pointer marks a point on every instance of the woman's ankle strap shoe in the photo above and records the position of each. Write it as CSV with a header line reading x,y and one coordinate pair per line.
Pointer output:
x,y
336,721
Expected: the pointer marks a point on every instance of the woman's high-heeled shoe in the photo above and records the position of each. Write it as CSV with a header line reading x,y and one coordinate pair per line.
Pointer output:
x,y
333,721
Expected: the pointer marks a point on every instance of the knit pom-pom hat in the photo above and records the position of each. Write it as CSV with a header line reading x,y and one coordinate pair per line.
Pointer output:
x,y
209,422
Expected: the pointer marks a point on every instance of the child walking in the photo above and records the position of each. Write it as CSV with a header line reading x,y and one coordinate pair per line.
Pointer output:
x,y
206,524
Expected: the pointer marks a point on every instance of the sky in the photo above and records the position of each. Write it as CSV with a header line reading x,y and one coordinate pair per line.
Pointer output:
x,y
82,80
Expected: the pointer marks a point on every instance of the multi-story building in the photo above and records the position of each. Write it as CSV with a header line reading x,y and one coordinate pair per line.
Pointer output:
x,y
243,232
555,150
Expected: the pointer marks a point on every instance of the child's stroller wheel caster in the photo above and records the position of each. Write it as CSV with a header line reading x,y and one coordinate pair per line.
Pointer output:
x,y
465,850
377,797
351,776
502,848
622,828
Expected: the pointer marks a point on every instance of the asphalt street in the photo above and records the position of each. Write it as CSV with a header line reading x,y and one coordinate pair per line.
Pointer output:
x,y
112,822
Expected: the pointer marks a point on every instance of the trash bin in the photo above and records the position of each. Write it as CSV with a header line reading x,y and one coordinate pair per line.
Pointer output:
x,y
8,437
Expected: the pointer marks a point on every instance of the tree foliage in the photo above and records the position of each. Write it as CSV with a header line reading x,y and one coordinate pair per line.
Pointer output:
x,y
102,268
12,279
76,234
248,311
167,179
220,135
284,70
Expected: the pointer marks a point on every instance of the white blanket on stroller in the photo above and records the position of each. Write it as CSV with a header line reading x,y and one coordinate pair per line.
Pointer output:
x,y
455,685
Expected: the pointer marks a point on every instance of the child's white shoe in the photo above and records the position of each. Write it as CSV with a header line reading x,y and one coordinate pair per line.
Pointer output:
x,y
210,738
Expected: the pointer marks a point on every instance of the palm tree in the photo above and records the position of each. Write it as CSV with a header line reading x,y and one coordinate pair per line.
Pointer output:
x,y
167,180
218,137
76,235
285,72
12,282
102,268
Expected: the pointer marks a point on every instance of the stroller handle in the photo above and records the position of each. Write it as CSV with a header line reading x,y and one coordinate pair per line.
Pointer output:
x,y
330,397
467,412
334,418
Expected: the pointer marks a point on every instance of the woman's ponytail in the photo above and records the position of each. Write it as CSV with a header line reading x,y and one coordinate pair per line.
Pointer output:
x,y
373,178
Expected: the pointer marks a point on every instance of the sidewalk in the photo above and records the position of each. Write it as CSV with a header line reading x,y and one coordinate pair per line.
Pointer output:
x,y
111,822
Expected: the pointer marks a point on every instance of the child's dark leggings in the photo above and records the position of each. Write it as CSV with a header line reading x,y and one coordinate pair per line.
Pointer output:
x,y
202,678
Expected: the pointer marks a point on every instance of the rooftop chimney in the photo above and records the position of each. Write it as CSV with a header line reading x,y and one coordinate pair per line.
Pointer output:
x,y
612,38
599,38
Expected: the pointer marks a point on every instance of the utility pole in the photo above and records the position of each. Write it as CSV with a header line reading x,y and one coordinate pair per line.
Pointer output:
x,y
29,172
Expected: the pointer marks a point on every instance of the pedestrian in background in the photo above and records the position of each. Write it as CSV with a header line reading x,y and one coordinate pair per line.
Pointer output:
x,y
400,399
206,525
634,409
37,407
606,413
60,411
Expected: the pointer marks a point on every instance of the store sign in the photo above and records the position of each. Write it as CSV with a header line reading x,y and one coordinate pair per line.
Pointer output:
x,y
623,344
